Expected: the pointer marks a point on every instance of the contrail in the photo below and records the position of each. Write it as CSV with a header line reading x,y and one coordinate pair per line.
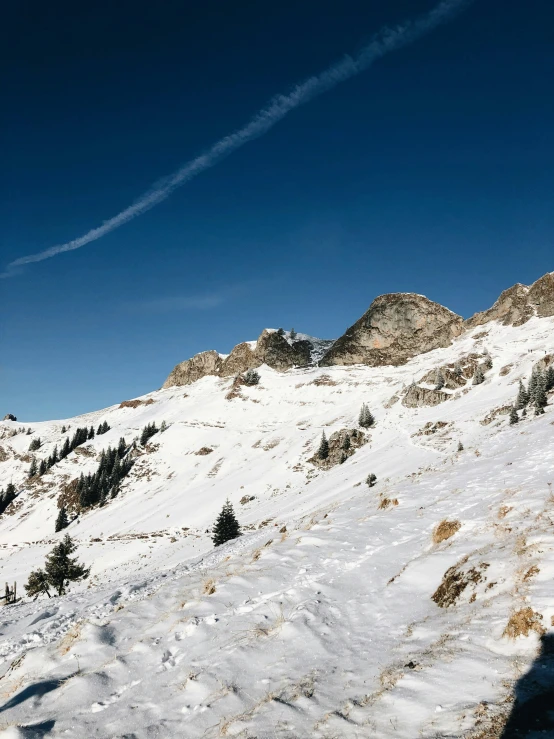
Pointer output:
x,y
387,40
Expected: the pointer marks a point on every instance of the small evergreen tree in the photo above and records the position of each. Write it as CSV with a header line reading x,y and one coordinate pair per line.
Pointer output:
x,y
371,480
439,380
163,427
549,379
292,334
458,369
365,419
7,496
281,331
91,433
251,377
61,568
346,443
478,376
226,527
66,448
35,444
62,522
64,429
522,397
42,467
514,418
37,584
323,451
460,446
33,468
540,399
532,386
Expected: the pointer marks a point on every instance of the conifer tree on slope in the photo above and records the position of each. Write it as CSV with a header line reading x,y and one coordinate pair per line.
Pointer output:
x,y
37,584
226,527
61,568
549,379
514,418
540,400
323,451
62,521
478,376
33,468
439,380
522,397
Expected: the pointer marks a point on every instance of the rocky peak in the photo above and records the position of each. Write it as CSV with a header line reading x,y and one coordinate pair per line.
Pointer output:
x,y
396,327
519,303
271,348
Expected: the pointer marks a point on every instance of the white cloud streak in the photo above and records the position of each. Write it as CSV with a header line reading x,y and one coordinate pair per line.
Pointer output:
x,y
387,40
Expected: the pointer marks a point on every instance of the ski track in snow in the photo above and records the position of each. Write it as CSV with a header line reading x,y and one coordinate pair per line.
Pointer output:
x,y
325,629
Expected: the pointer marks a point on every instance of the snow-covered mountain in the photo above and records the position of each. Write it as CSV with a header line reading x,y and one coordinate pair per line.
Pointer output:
x,y
343,610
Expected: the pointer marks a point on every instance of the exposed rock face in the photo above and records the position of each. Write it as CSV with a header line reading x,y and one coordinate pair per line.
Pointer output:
x,y
396,327
337,451
205,363
417,397
9,417
519,303
271,349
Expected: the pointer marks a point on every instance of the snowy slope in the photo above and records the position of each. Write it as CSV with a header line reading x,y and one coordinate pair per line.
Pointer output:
x,y
319,621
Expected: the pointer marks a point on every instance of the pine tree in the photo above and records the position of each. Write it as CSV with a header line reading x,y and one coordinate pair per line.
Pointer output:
x,y
33,468
522,397
346,443
62,522
91,433
281,331
439,380
514,418
365,419
61,568
42,467
292,334
458,369
549,379
478,376
323,451
35,444
37,584
66,448
252,377
371,480
540,399
64,429
460,446
7,496
226,527
533,382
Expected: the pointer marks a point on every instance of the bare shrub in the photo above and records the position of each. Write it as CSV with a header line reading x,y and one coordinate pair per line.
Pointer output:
x,y
522,622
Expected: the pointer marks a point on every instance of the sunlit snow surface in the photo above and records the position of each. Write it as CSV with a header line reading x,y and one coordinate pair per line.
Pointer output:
x,y
325,629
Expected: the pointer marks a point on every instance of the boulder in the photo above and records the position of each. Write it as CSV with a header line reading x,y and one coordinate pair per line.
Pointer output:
x,y
417,397
205,363
9,417
396,327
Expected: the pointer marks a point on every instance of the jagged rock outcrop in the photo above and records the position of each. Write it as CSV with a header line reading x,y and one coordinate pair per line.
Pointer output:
x,y
519,303
417,397
339,451
205,363
9,417
396,327
271,349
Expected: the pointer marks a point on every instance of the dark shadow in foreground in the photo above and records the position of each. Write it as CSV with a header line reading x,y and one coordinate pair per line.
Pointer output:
x,y
533,710
37,731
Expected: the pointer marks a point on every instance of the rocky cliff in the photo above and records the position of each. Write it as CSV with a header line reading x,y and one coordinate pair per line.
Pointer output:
x,y
271,348
396,327
519,303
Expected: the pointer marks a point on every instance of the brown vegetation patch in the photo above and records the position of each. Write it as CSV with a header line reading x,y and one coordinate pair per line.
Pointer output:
x,y
455,580
235,392
504,510
323,380
135,403
209,587
431,428
444,530
387,503
246,499
204,451
3,454
522,622
531,572
69,497
505,370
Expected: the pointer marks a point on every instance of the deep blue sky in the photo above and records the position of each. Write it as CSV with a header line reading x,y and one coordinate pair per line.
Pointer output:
x,y
432,172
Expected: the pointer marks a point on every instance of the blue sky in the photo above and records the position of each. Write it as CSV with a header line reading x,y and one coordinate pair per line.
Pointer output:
x,y
431,172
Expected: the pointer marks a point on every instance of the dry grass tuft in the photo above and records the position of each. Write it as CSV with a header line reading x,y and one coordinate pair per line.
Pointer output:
x,y
504,510
209,587
387,503
531,572
323,380
444,530
522,622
